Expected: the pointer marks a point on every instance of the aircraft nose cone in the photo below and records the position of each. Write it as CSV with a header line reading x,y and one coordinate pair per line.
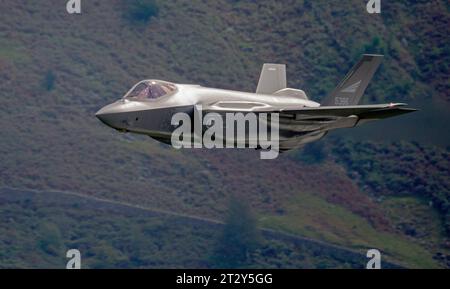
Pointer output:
x,y
102,115
110,115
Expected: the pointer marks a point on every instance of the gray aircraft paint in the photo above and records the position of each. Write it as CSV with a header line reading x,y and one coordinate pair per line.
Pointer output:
x,y
300,119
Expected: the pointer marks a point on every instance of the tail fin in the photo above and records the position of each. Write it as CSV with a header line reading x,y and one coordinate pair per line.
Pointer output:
x,y
273,78
351,89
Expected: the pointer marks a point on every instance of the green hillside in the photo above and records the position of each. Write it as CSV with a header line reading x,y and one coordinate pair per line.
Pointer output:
x,y
40,226
387,193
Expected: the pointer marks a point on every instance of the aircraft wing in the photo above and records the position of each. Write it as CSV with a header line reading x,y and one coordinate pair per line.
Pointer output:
x,y
376,111
326,117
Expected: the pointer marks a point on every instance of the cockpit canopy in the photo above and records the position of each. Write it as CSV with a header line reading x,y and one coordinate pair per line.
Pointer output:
x,y
151,89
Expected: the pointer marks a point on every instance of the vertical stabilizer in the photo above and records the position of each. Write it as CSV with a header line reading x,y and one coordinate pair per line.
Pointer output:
x,y
273,78
352,87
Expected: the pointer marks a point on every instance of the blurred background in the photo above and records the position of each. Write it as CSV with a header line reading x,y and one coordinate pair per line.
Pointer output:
x,y
127,201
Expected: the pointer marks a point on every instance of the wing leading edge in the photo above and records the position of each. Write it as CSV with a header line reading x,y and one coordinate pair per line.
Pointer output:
x,y
376,111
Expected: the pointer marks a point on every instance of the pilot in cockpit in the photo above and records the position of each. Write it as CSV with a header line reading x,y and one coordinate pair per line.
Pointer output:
x,y
150,89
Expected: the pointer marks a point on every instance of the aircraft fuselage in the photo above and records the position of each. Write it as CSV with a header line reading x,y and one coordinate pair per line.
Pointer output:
x,y
153,117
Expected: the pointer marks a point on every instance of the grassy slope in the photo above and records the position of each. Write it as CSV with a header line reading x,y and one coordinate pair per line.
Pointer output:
x,y
51,140
39,228
311,216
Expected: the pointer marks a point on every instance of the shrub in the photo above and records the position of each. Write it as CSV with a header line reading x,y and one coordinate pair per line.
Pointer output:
x,y
312,153
376,46
142,10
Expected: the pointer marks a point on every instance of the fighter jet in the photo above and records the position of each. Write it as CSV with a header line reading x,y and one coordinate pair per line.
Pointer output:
x,y
149,106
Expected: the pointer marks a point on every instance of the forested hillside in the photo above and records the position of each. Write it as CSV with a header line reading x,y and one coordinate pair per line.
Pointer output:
x,y
384,187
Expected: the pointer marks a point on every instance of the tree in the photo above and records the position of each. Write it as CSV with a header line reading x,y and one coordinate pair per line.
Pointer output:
x,y
312,153
50,239
49,80
239,238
